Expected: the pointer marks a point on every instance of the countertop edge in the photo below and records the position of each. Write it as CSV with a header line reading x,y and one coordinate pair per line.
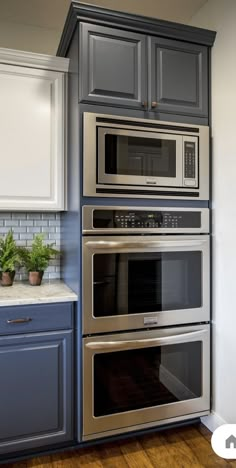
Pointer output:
x,y
22,294
52,300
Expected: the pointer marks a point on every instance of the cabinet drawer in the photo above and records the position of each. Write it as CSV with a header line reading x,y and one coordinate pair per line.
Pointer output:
x,y
34,318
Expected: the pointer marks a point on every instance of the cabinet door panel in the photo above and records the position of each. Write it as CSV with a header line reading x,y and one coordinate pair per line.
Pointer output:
x,y
178,77
113,66
36,390
31,139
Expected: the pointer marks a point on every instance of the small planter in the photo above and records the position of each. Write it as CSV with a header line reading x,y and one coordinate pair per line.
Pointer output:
x,y
35,278
7,278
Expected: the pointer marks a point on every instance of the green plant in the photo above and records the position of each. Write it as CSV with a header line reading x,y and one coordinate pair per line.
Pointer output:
x,y
38,257
10,256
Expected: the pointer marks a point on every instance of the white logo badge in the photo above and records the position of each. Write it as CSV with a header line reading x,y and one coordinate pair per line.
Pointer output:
x,y
223,441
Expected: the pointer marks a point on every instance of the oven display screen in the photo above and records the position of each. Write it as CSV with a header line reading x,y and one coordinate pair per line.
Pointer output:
x,y
110,219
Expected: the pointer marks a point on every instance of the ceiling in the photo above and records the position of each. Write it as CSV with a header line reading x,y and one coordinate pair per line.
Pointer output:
x,y
27,15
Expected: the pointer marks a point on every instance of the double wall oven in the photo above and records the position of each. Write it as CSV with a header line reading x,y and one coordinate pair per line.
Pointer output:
x,y
145,317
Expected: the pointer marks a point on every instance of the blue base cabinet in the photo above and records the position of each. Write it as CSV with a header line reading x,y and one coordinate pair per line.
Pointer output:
x,y
36,393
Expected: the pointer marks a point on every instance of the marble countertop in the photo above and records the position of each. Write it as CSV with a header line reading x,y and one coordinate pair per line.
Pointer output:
x,y
23,293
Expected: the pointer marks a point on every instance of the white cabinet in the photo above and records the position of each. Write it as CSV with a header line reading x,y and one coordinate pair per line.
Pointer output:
x,y
32,131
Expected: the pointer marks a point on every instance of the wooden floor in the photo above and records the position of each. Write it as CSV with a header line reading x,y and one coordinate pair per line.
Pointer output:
x,y
183,447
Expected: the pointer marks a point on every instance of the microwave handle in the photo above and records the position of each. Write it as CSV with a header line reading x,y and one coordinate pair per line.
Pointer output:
x,y
129,344
143,244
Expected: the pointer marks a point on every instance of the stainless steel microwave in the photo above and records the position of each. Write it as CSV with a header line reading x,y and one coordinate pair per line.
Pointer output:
x,y
127,157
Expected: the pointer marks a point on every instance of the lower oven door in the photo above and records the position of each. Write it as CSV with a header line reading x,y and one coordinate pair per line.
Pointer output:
x,y
136,380
137,282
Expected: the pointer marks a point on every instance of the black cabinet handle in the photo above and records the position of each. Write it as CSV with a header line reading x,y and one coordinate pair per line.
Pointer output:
x,y
19,320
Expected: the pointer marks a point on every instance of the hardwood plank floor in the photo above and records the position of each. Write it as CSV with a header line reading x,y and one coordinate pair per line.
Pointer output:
x,y
183,447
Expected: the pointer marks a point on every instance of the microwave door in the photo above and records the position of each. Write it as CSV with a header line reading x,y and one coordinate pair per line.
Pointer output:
x,y
139,158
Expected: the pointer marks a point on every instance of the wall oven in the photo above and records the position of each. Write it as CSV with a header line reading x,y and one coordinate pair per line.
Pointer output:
x,y
126,157
145,303
137,380
138,281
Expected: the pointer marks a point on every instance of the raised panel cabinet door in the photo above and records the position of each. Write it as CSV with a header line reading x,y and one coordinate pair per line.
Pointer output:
x,y
35,390
32,130
113,66
178,77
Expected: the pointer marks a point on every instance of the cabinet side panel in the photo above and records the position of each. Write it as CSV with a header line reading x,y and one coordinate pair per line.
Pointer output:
x,y
70,221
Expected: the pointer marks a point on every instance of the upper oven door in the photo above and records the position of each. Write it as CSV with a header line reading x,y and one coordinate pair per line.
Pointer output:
x,y
141,158
137,282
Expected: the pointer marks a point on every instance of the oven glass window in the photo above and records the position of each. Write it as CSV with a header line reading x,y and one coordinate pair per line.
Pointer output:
x,y
136,156
135,283
142,378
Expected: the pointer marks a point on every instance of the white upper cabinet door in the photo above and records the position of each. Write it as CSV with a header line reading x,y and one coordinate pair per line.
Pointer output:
x,y
32,138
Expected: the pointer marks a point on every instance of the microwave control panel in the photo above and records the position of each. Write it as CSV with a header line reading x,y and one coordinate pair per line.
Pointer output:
x,y
132,219
189,160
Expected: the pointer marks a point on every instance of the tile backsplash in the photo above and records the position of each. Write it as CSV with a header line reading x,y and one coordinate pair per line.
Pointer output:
x,y
25,226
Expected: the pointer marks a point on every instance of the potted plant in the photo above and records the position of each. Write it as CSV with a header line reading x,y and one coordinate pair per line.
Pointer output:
x,y
9,259
36,260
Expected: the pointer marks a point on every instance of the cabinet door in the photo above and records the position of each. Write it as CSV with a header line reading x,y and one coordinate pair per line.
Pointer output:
x,y
36,390
113,66
31,139
178,77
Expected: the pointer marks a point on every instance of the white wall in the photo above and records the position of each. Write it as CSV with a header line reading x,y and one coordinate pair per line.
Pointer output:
x,y
220,15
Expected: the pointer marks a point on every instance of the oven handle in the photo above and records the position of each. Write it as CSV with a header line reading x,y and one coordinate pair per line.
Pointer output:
x,y
127,344
143,244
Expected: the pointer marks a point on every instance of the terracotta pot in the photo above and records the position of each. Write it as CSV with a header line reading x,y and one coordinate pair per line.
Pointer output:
x,y
7,278
35,277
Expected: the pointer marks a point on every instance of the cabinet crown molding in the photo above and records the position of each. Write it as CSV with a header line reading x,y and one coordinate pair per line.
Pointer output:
x,y
80,11
31,59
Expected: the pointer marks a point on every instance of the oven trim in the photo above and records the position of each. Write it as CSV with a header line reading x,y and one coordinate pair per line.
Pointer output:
x,y
116,244
140,427
153,415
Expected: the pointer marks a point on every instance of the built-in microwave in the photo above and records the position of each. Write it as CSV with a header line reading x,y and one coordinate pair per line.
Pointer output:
x,y
127,157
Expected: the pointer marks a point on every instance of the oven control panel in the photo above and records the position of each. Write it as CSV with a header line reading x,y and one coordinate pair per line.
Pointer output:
x,y
132,219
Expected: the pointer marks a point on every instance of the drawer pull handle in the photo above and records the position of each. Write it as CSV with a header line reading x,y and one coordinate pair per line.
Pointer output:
x,y
19,320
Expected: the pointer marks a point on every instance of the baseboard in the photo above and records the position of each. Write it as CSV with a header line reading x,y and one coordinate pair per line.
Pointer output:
x,y
213,421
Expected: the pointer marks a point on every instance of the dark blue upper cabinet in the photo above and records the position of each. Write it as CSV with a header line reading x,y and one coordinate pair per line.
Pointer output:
x,y
151,66
113,68
125,69
178,77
